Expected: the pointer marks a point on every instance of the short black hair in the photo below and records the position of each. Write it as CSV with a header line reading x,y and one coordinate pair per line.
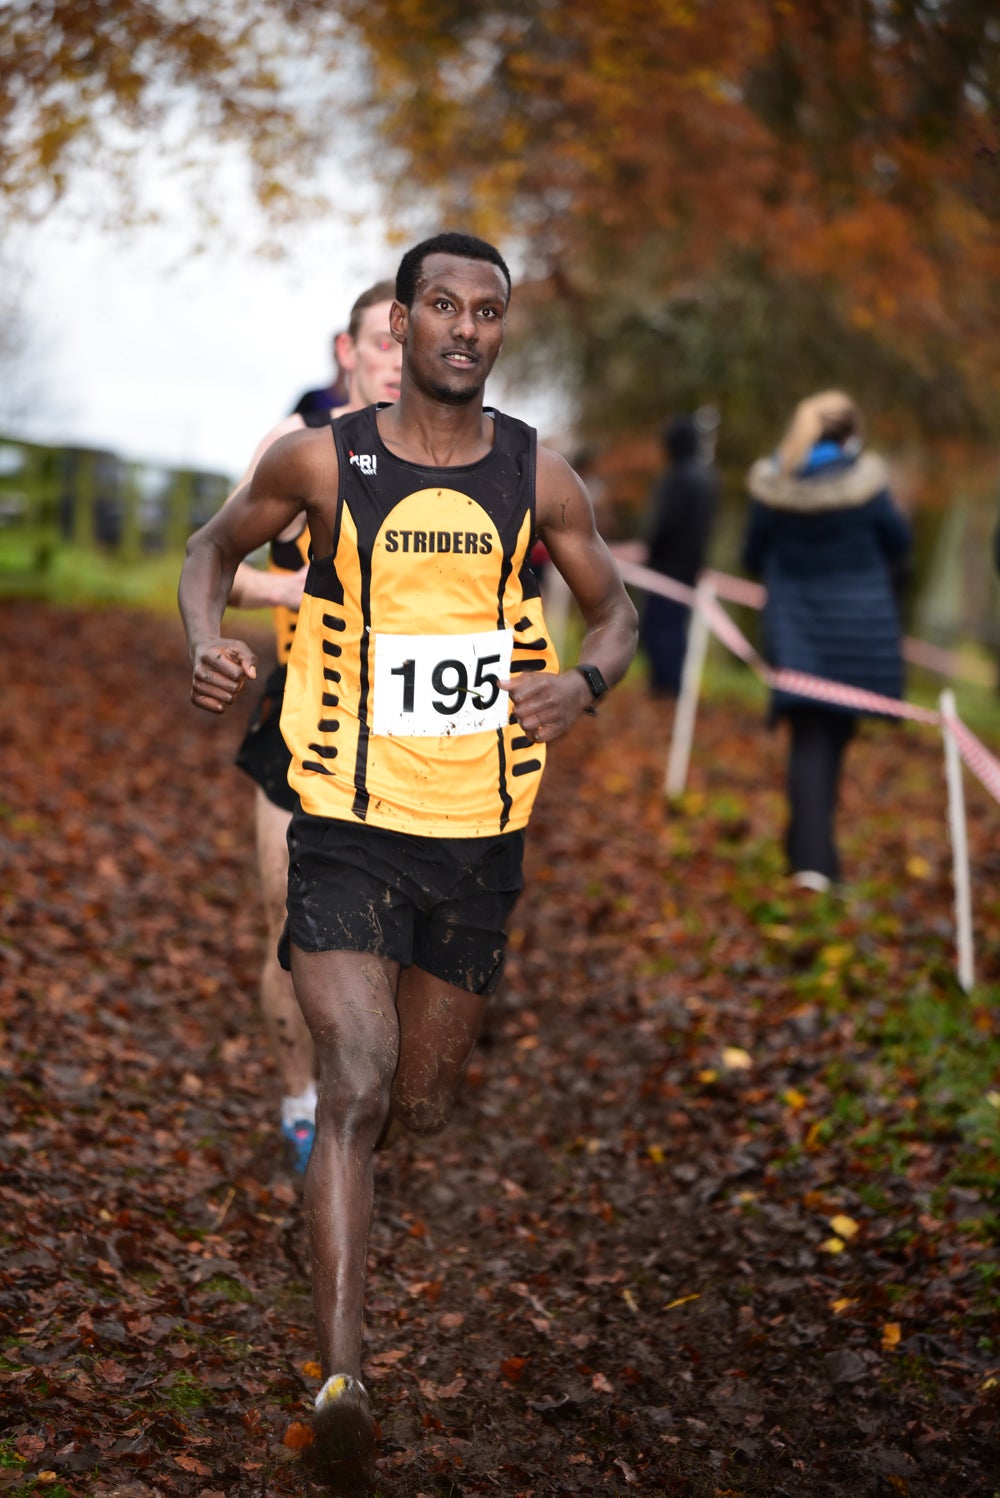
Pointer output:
x,y
449,243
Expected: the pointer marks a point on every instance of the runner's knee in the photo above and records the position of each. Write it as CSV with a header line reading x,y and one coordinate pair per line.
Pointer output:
x,y
353,1096
423,1115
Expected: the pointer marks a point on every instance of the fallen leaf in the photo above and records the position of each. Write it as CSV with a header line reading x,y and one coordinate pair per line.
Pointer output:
x,y
844,1227
298,1436
192,1464
735,1058
435,1392
682,1300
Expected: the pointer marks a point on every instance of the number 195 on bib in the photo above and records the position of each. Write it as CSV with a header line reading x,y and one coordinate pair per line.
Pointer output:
x,y
441,684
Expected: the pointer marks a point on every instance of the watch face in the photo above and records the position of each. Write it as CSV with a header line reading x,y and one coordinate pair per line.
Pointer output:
x,y
595,681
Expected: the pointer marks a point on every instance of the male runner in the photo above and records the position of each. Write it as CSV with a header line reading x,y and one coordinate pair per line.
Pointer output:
x,y
422,690
370,358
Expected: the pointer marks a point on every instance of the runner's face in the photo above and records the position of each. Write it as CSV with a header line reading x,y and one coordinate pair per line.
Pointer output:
x,y
373,359
454,331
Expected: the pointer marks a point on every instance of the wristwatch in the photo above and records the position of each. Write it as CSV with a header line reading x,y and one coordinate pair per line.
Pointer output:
x,y
595,681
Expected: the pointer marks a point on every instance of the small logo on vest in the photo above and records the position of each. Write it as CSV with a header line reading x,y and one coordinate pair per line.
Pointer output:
x,y
367,462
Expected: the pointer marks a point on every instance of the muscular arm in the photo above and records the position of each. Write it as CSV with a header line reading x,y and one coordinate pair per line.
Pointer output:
x,y
253,587
290,474
546,704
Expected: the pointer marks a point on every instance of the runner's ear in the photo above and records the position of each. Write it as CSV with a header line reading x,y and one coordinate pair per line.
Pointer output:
x,y
399,319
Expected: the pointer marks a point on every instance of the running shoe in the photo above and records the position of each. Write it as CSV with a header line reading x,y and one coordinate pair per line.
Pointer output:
x,y
343,1450
810,879
299,1138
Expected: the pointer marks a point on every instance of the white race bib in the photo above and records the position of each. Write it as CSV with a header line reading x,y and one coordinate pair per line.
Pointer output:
x,y
441,684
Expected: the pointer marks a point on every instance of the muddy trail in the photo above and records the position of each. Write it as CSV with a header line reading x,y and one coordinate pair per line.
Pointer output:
x,y
716,1215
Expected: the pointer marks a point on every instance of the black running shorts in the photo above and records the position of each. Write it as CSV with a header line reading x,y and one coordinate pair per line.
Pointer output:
x,y
263,753
431,902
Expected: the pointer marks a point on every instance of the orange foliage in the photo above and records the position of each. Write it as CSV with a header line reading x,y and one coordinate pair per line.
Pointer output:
x,y
749,158
646,144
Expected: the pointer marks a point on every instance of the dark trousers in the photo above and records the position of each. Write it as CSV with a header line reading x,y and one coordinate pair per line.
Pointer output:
x,y
663,636
819,738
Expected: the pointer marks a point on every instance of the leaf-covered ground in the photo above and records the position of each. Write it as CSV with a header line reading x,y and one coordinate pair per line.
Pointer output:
x,y
716,1215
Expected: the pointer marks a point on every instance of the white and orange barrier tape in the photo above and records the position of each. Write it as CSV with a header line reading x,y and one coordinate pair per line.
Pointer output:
x,y
709,617
980,760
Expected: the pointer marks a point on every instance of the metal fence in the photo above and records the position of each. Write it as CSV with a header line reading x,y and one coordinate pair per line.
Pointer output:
x,y
51,496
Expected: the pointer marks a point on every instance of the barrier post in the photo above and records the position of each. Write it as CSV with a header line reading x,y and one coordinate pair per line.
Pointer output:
x,y
682,734
959,843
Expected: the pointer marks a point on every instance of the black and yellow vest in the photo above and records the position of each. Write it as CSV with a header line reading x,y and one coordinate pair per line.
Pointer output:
x,y
289,556
392,711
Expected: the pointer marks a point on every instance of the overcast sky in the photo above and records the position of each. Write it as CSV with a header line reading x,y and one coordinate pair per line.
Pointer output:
x,y
134,344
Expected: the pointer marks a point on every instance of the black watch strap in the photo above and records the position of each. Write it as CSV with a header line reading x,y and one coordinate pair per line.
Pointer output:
x,y
595,681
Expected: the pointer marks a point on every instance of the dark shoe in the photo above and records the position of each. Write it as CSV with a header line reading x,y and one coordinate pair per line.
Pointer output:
x,y
343,1451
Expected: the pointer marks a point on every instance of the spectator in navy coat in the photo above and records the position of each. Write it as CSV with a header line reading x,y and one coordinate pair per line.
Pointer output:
x,y
827,541
678,529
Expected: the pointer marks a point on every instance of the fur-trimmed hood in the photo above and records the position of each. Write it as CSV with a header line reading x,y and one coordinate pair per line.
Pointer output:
x,y
835,488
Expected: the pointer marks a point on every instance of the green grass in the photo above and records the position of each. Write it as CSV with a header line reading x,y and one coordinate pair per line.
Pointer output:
x,y
228,1288
9,1458
185,1393
79,576
85,577
10,1461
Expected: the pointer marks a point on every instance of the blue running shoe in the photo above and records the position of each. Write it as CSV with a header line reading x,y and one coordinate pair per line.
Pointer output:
x,y
299,1138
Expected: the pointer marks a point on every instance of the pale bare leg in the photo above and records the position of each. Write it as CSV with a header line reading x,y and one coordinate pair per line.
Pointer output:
x,y
288,1032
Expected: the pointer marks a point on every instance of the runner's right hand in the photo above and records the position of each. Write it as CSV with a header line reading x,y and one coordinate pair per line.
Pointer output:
x,y
221,670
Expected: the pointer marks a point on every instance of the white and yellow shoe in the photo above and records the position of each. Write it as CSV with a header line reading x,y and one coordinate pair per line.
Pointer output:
x,y
343,1450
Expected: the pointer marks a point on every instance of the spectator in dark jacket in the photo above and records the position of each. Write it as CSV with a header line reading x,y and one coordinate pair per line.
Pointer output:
x,y
681,514
825,537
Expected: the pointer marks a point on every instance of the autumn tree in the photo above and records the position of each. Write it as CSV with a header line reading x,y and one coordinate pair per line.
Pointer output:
x,y
87,85
733,200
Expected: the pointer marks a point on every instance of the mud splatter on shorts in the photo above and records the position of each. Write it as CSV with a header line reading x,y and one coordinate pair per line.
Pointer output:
x,y
432,902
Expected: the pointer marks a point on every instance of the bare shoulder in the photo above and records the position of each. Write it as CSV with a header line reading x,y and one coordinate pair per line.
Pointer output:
x,y
298,459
